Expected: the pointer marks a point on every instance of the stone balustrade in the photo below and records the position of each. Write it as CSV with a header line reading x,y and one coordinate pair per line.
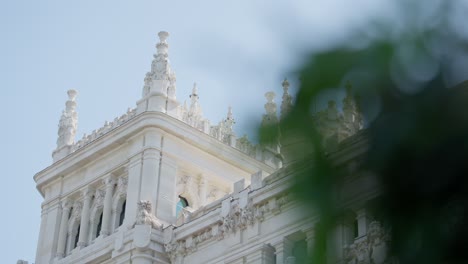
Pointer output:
x,y
108,126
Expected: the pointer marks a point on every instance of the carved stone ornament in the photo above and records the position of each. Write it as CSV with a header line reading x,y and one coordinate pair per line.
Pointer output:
x,y
373,249
99,198
68,122
145,217
286,104
237,219
77,206
122,185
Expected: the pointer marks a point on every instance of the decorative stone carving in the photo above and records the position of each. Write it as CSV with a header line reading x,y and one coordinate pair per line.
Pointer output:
x,y
260,211
373,249
244,145
335,126
107,127
193,116
76,211
235,219
246,217
286,103
170,249
270,116
99,198
122,186
224,130
145,217
68,122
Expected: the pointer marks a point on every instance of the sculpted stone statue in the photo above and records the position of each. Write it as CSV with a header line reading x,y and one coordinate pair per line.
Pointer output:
x,y
68,122
145,217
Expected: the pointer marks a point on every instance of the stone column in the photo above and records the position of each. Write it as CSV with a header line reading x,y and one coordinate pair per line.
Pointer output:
x,y
150,171
66,206
283,249
84,226
203,190
107,210
363,221
166,194
133,184
341,235
310,239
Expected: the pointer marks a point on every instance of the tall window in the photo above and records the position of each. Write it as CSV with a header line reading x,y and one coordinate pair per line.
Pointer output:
x,y
99,226
180,205
122,213
77,236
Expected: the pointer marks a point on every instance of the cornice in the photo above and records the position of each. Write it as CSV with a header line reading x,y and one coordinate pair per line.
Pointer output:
x,y
120,135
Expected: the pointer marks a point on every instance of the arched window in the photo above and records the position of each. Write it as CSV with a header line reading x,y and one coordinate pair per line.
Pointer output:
x,y
180,205
99,226
77,236
122,213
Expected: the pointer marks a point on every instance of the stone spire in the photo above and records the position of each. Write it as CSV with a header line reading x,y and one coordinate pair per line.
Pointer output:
x,y
351,113
160,67
286,104
160,82
68,122
270,116
195,109
229,122
194,115
67,127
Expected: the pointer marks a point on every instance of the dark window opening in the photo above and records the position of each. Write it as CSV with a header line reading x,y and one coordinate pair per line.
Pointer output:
x,y
77,236
181,204
122,213
355,229
99,226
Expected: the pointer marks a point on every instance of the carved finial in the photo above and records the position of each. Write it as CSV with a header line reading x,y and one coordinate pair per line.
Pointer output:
x,y
194,90
68,122
285,84
351,112
194,114
229,114
163,36
229,122
161,70
194,107
162,46
270,117
287,99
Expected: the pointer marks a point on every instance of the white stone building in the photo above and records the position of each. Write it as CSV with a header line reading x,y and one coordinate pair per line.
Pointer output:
x,y
161,184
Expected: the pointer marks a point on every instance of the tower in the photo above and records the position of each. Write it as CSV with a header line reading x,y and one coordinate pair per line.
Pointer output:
x,y
109,196
161,184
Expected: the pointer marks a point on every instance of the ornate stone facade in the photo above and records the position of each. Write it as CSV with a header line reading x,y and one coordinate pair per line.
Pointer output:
x,y
160,184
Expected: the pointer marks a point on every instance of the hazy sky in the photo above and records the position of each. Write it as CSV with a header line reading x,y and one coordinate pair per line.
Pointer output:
x,y
235,51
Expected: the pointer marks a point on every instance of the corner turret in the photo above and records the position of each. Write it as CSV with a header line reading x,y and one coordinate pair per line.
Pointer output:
x,y
67,127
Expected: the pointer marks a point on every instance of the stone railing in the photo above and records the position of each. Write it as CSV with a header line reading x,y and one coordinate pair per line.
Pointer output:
x,y
226,217
372,248
224,133
108,126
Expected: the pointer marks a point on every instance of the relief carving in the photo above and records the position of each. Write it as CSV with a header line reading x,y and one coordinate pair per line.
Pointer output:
x,y
373,249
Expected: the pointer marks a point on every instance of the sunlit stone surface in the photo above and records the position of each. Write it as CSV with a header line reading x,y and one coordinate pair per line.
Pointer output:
x,y
162,184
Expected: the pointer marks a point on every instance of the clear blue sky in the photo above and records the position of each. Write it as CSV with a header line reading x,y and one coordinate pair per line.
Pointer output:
x,y
235,50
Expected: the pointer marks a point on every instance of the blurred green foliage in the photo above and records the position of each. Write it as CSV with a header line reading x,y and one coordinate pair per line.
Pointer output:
x,y
417,129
